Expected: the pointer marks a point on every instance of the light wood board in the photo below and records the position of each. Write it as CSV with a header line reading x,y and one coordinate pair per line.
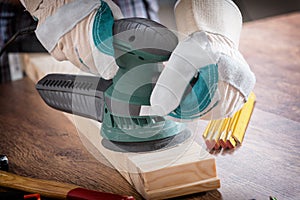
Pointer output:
x,y
184,169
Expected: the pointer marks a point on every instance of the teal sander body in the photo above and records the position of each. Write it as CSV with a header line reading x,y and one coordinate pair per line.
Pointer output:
x,y
140,47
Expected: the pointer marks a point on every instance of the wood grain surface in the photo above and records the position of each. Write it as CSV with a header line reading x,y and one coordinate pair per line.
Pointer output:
x,y
272,48
41,142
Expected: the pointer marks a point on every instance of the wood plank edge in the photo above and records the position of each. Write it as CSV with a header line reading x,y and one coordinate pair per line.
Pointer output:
x,y
196,187
196,171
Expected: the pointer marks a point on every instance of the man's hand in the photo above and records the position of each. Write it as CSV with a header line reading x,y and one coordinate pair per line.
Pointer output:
x,y
78,31
208,59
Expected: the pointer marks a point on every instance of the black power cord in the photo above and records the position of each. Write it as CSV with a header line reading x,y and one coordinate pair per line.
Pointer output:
x,y
24,31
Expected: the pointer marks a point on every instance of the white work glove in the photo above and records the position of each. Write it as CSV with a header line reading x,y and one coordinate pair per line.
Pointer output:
x,y
210,35
78,31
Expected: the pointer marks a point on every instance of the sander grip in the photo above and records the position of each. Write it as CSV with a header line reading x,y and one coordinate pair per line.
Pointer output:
x,y
80,95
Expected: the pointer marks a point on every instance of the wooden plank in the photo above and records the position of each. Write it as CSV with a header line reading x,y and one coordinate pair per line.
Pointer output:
x,y
184,169
149,172
184,189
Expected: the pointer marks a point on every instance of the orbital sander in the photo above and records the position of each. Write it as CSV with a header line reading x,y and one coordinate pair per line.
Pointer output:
x,y
140,46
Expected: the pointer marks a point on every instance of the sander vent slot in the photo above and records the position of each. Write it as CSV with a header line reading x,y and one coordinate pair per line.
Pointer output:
x,y
70,84
127,123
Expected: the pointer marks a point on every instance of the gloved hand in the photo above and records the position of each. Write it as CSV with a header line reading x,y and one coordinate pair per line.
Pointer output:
x,y
207,58
79,31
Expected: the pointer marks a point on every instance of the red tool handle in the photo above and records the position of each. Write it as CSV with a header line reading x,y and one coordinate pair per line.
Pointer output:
x,y
81,193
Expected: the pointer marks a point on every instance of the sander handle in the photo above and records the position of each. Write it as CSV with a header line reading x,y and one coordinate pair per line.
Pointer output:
x,y
75,94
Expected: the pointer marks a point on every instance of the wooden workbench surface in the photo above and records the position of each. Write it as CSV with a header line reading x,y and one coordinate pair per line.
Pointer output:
x,y
41,142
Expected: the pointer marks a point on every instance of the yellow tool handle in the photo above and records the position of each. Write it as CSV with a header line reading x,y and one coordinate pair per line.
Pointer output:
x,y
53,189
45,188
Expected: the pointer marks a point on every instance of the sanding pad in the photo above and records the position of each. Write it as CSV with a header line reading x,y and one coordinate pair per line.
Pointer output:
x,y
148,146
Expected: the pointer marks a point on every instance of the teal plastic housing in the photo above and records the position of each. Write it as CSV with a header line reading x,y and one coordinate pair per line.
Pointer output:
x,y
133,85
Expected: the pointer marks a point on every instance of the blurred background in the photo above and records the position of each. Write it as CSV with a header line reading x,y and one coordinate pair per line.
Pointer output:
x,y
14,18
250,9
